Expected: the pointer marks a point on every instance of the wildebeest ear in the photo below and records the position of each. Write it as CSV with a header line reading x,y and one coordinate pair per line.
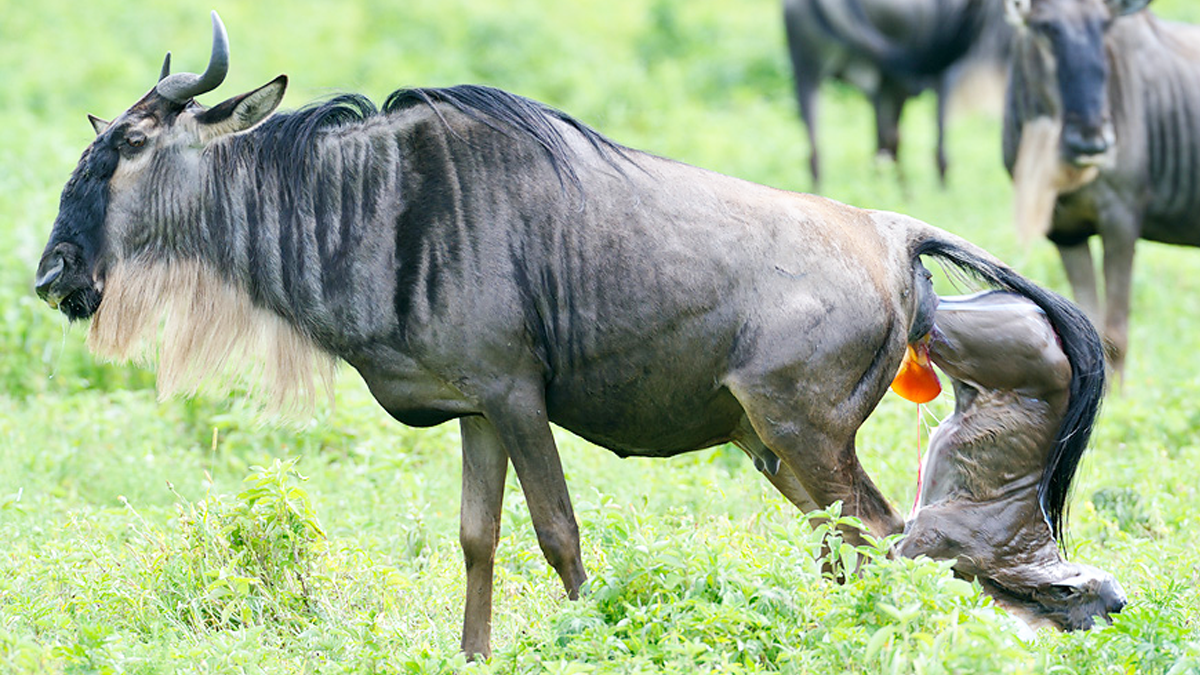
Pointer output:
x,y
98,124
242,112
1016,11
1122,7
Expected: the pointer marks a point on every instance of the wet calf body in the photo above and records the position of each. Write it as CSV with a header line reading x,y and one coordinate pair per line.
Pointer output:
x,y
980,500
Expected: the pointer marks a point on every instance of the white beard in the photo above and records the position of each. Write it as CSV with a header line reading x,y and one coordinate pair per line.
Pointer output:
x,y
205,333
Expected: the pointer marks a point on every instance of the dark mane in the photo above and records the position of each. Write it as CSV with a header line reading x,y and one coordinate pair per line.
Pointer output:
x,y
287,139
506,113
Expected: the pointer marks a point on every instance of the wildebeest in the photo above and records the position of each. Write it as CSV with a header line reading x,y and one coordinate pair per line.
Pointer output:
x,y
477,256
979,500
892,50
1102,127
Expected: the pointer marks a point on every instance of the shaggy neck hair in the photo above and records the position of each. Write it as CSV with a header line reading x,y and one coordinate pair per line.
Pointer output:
x,y
283,255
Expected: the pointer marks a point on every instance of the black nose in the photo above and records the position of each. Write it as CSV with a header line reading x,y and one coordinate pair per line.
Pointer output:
x,y
1085,140
1113,596
49,270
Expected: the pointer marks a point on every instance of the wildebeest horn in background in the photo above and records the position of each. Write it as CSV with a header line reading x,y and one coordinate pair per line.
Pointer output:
x,y
183,86
166,68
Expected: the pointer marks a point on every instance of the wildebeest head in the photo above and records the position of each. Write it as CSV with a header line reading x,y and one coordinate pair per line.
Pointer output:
x,y
110,209
980,502
1068,36
1069,40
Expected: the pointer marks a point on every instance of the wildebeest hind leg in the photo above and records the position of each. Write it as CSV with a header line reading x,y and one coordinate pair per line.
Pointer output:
x,y
806,96
889,104
940,153
790,487
485,465
781,477
524,429
822,459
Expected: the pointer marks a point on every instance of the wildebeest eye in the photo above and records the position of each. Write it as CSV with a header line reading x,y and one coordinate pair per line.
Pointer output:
x,y
135,139
1063,592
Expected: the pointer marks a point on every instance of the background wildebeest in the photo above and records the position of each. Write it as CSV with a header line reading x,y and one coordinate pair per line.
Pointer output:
x,y
1102,126
477,256
892,50
979,502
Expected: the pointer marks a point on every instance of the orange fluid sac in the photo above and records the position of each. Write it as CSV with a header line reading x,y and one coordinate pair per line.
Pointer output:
x,y
917,381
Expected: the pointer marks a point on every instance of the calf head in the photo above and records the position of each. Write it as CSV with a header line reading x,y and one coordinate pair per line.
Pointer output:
x,y
135,178
980,503
1068,41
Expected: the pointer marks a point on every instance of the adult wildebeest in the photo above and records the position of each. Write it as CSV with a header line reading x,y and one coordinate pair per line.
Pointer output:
x,y
1102,127
979,501
479,256
892,50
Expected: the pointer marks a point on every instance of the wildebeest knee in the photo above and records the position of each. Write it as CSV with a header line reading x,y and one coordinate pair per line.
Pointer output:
x,y
479,543
560,546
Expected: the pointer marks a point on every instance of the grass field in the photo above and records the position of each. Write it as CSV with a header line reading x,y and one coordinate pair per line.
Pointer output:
x,y
187,536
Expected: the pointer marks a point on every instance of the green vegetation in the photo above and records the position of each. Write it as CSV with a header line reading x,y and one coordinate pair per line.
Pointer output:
x,y
185,536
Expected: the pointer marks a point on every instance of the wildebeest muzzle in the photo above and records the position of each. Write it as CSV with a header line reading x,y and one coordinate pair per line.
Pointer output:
x,y
64,281
1087,143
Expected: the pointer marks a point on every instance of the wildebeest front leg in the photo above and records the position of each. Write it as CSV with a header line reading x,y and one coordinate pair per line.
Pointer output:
x,y
1118,282
524,429
485,465
1081,273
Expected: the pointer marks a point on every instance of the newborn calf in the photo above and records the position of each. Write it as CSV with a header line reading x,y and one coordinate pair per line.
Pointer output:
x,y
979,502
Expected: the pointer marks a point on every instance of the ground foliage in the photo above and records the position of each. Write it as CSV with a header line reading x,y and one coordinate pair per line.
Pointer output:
x,y
186,536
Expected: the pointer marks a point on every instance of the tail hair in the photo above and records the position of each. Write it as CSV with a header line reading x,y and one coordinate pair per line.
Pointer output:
x,y
1084,350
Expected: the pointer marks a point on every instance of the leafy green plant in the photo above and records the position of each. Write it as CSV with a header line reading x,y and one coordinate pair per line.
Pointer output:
x,y
248,560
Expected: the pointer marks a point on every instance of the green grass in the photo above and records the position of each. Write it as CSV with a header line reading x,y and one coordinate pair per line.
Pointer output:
x,y
140,538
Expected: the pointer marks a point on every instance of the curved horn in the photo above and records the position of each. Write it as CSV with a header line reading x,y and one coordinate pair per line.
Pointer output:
x,y
166,68
181,87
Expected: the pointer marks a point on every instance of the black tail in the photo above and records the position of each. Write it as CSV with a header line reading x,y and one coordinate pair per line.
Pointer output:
x,y
1084,350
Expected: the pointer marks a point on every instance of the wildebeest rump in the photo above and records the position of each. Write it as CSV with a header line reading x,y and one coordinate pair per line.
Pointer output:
x,y
1119,91
892,50
479,256
979,502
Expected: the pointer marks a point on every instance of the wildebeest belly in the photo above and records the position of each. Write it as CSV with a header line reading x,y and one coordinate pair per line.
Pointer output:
x,y
1179,230
649,410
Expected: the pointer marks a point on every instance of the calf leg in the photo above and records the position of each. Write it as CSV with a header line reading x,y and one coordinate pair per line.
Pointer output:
x,y
522,425
484,467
